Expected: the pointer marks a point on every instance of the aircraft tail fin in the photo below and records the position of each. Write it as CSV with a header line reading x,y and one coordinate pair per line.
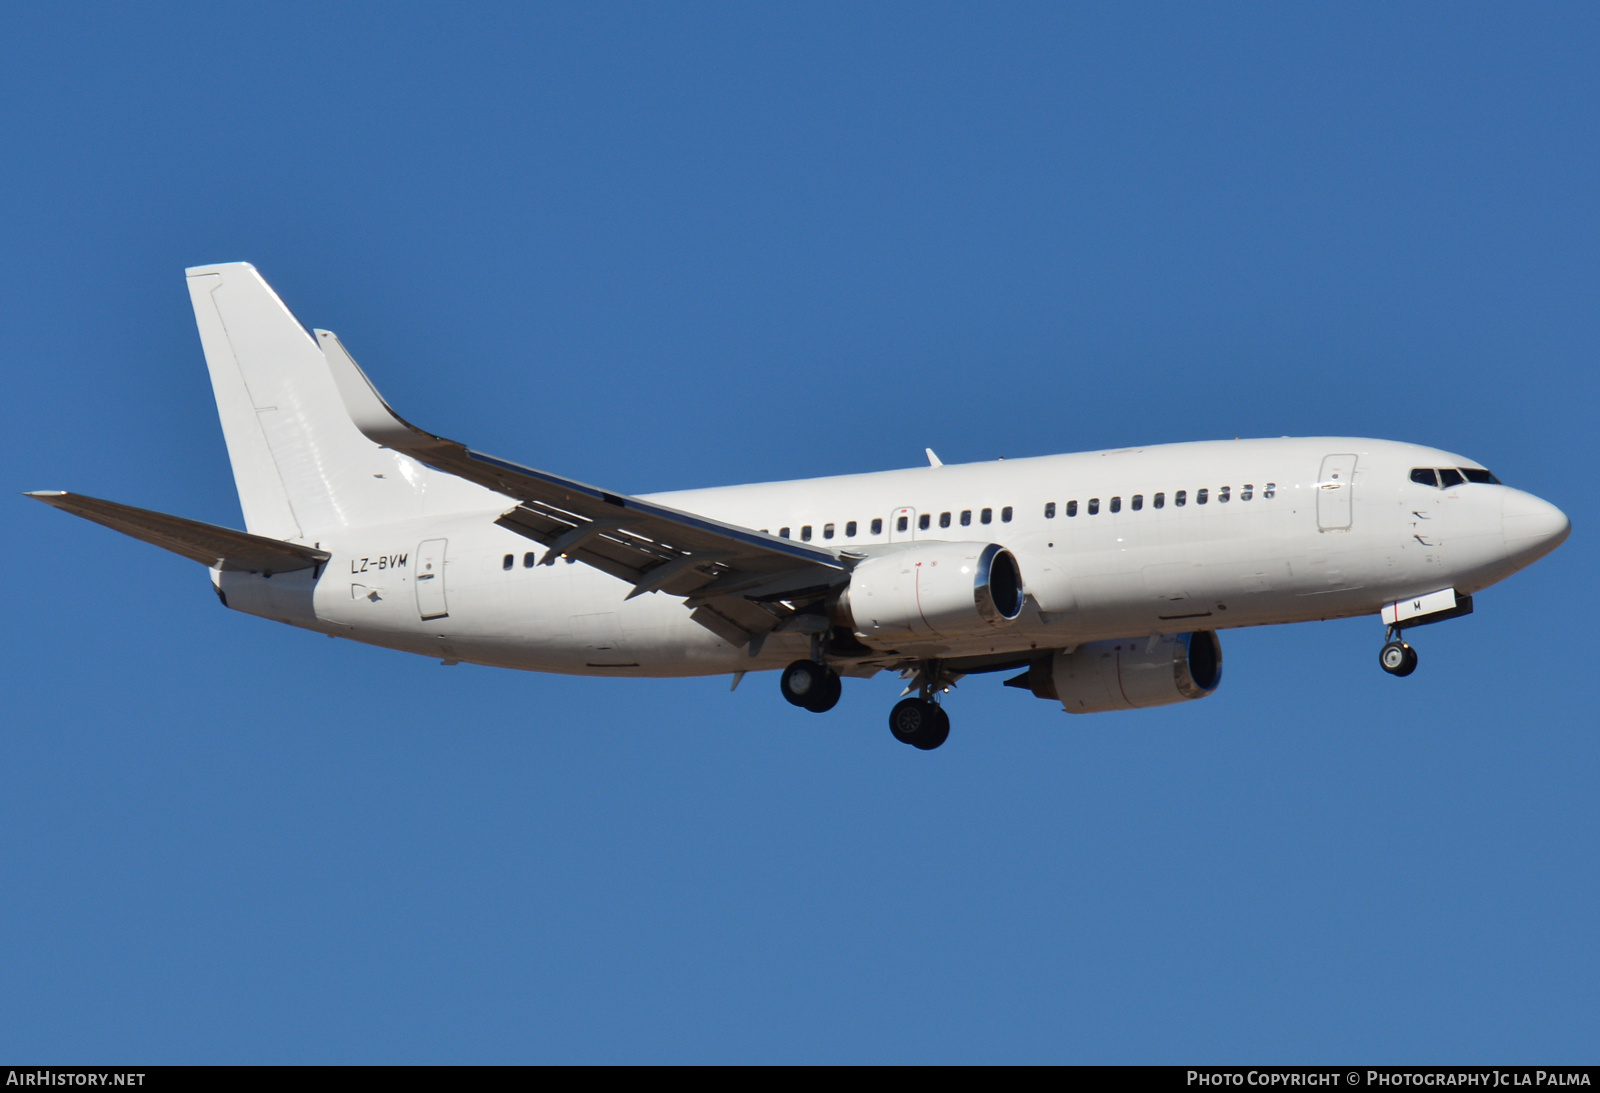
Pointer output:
x,y
300,464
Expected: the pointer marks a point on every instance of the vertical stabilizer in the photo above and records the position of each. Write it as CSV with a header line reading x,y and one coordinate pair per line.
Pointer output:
x,y
262,493
301,465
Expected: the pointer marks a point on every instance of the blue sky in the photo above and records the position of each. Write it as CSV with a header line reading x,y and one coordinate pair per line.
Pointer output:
x,y
659,247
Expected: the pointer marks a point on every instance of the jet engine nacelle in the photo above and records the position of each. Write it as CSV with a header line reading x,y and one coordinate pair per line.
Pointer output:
x,y
932,589
1128,673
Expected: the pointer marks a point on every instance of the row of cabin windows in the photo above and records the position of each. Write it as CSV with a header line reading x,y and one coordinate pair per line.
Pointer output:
x,y
986,516
828,530
1159,501
902,523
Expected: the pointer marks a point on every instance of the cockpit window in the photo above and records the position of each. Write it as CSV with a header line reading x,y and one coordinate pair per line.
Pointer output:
x,y
1445,477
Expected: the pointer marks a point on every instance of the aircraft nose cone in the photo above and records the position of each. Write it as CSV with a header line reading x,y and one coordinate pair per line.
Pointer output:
x,y
1533,527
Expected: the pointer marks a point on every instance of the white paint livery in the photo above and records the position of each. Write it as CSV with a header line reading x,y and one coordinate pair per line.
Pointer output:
x,y
1101,576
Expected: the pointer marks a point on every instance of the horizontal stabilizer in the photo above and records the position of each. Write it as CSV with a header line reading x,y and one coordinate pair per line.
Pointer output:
x,y
221,548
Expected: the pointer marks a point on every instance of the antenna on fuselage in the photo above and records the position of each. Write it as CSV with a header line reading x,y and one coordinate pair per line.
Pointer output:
x,y
933,460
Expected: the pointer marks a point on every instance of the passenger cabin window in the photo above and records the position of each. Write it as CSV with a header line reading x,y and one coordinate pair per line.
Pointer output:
x,y
1199,497
805,533
922,522
1181,498
1449,476
850,530
1094,506
1244,491
783,533
528,559
1072,508
1138,502
877,526
903,523
509,559
1423,476
1159,500
966,517
1270,489
1005,515
1116,504
1050,510
827,531
986,516
1222,495
1482,477
944,519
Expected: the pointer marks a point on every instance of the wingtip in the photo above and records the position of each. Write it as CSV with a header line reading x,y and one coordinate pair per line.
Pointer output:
x,y
40,495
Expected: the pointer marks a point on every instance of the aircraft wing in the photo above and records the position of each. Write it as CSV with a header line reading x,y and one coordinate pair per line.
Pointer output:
x,y
734,578
208,544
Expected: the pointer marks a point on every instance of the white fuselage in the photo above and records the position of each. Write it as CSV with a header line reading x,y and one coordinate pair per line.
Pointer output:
x,y
1264,534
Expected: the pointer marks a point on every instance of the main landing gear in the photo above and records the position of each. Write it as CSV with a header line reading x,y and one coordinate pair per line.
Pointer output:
x,y
918,721
811,686
1397,658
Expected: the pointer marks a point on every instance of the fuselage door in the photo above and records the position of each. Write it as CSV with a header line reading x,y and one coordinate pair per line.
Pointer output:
x,y
902,525
430,579
1334,492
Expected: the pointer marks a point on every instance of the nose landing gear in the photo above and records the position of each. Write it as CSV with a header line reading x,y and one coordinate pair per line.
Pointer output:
x,y
1396,657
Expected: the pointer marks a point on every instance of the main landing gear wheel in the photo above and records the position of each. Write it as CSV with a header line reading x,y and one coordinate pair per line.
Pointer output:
x,y
920,723
1398,658
811,686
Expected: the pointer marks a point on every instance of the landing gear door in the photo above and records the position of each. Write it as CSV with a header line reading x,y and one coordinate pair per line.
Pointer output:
x,y
902,525
430,580
1334,497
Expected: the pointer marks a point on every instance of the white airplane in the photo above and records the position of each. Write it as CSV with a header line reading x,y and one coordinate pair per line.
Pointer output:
x,y
1100,578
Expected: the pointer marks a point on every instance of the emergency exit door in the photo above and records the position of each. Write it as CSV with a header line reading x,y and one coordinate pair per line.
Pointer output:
x,y
430,579
902,525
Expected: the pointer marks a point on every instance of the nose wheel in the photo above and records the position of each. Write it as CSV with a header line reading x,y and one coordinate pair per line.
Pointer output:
x,y
811,686
1396,657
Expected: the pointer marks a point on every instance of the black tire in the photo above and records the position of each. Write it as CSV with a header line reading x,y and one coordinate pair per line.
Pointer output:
x,y
826,696
802,681
940,730
921,724
1397,658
